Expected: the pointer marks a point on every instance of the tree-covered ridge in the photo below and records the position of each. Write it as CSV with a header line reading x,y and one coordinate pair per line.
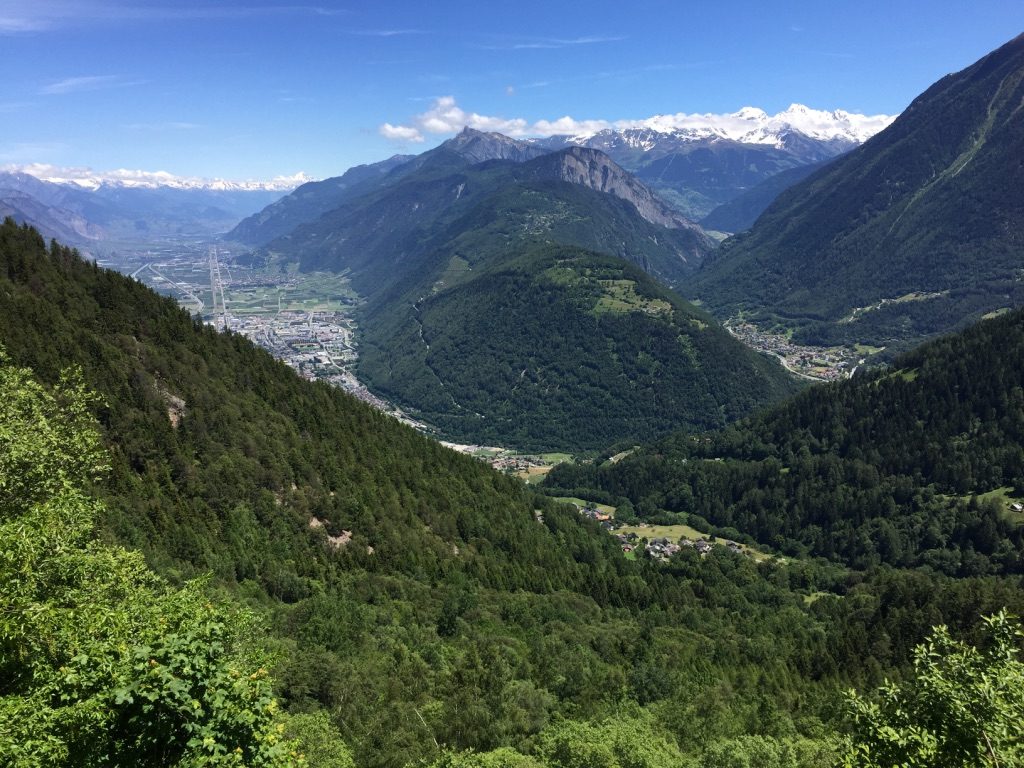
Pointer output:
x,y
564,348
253,444
485,618
447,196
457,330
886,467
932,205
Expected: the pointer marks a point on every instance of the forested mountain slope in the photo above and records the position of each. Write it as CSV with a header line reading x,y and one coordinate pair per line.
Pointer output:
x,y
313,199
560,348
473,623
886,467
470,324
384,234
929,211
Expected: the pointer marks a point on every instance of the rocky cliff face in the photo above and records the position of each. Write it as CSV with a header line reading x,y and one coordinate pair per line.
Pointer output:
x,y
595,170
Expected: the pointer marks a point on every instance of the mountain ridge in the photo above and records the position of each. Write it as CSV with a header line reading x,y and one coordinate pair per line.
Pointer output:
x,y
928,212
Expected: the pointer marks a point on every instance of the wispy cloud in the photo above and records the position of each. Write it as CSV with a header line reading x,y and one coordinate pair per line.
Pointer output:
x,y
388,32
165,126
12,25
549,43
28,151
86,83
27,16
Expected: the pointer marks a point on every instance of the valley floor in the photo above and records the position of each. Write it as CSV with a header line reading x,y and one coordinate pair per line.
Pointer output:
x,y
304,319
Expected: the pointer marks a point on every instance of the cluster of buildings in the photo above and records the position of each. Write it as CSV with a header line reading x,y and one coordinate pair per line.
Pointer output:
x,y
516,464
814,362
662,548
317,344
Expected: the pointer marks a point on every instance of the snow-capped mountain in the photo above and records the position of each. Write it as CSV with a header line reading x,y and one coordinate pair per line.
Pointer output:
x,y
85,208
748,125
700,161
87,178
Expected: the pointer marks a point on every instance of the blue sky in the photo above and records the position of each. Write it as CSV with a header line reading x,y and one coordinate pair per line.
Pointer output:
x,y
254,89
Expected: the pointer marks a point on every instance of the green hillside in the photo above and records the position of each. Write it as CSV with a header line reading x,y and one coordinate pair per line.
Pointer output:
x,y
446,196
916,232
484,617
466,327
562,348
914,465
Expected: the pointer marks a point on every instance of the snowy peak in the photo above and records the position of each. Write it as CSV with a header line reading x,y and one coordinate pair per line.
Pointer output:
x,y
87,178
749,125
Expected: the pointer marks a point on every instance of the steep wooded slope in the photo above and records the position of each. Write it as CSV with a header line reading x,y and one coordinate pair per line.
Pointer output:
x,y
931,210
474,623
886,467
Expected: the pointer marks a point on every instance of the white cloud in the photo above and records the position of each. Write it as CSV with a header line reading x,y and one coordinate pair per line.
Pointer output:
x,y
749,124
445,116
168,126
388,32
400,133
551,43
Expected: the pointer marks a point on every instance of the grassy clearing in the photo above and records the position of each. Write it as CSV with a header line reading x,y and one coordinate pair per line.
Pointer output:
x,y
995,313
867,349
620,456
670,532
555,458
534,475
815,596
456,270
620,296
312,292
1006,496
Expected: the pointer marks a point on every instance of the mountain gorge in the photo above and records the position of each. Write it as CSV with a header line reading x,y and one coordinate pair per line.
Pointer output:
x,y
916,232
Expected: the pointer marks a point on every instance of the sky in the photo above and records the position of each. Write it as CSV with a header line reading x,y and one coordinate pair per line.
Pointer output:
x,y
256,89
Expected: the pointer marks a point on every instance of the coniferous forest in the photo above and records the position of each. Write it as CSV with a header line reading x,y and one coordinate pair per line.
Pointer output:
x,y
323,585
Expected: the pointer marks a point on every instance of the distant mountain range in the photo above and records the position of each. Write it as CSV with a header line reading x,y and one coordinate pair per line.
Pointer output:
x,y
86,209
698,162
510,299
918,231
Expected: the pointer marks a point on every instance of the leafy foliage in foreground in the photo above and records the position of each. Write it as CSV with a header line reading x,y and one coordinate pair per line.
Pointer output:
x,y
963,707
101,662
886,468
